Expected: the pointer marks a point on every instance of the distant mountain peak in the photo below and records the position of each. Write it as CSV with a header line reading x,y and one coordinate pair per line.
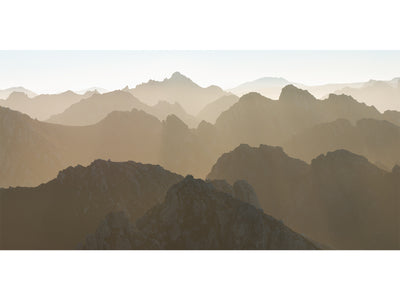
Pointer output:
x,y
179,77
292,93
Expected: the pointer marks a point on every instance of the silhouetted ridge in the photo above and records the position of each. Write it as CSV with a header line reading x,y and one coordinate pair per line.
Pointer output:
x,y
60,213
292,93
340,200
196,215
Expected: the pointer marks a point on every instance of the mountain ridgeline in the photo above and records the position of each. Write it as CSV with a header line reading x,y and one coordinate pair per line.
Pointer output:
x,y
117,170
139,136
340,199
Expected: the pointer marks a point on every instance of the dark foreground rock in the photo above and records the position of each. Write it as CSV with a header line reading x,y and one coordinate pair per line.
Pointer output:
x,y
197,215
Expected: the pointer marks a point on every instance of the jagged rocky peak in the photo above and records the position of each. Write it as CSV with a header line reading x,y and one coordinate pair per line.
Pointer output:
x,y
245,192
195,215
179,77
341,97
241,190
173,121
292,93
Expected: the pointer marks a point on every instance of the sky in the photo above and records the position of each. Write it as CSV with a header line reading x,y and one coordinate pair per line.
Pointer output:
x,y
57,71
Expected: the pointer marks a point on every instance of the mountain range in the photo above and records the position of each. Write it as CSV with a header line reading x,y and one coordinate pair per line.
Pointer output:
x,y
340,200
195,216
137,135
95,108
177,88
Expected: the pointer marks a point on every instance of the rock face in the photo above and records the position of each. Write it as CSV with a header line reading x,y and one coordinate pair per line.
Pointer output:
x,y
60,213
341,200
195,215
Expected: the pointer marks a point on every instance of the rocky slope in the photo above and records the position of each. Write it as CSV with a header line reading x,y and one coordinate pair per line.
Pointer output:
x,y
195,215
340,200
60,213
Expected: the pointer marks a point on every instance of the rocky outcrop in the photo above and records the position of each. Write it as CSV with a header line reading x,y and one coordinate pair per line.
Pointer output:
x,y
194,216
60,213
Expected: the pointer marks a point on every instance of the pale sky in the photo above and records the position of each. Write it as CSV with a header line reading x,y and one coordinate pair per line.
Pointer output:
x,y
57,71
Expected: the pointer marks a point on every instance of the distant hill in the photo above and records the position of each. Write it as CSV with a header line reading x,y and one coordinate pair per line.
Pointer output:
x,y
93,89
212,111
43,106
4,94
340,200
268,86
384,95
195,216
96,107
177,88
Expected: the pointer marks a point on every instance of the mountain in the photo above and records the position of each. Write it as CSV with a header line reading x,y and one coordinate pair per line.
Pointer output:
x,y
96,107
32,152
378,140
212,111
194,216
60,213
271,87
93,89
177,88
136,135
4,94
255,119
268,86
384,95
43,106
163,109
340,200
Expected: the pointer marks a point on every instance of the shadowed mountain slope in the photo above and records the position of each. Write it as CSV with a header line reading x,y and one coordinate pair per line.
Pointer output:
x,y
195,215
60,213
377,140
33,152
340,200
